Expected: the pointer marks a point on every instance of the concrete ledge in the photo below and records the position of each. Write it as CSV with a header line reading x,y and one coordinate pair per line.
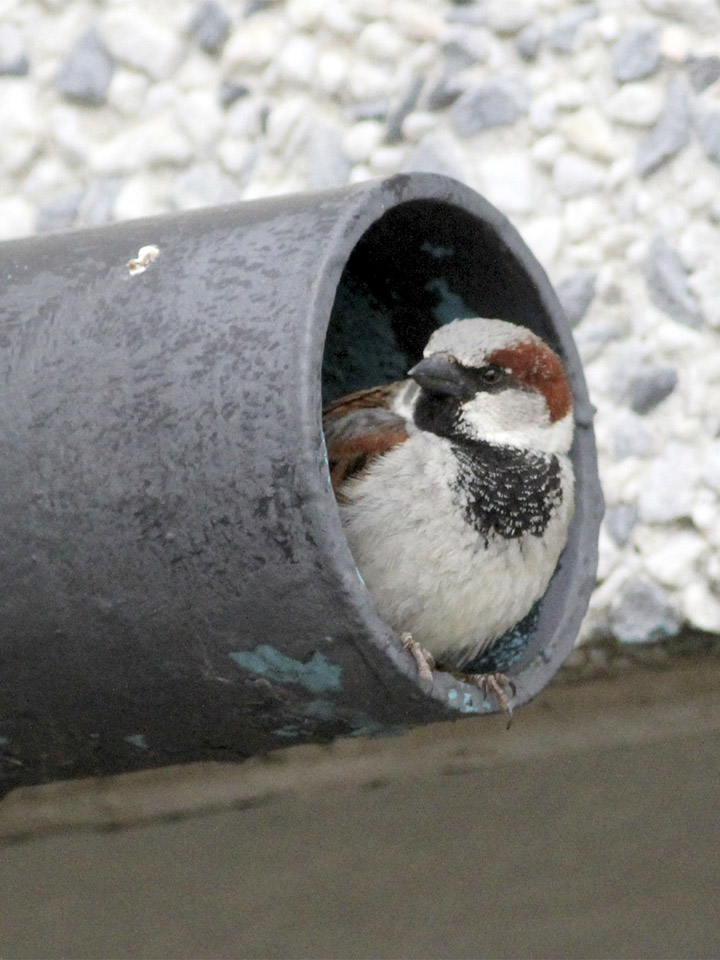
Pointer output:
x,y
644,702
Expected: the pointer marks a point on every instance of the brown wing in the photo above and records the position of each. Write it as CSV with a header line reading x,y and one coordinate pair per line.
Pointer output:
x,y
359,427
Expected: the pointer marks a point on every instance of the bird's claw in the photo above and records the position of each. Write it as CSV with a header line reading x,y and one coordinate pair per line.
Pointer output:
x,y
498,685
424,660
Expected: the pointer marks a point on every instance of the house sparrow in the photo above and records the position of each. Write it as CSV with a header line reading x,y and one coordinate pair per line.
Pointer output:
x,y
455,490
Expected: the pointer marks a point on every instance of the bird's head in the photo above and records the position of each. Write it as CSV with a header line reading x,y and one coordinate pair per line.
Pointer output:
x,y
492,380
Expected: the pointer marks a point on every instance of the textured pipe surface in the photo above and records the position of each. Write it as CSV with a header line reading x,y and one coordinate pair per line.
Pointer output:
x,y
174,581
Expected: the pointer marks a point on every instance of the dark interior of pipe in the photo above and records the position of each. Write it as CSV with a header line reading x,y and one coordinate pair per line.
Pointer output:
x,y
423,264
420,265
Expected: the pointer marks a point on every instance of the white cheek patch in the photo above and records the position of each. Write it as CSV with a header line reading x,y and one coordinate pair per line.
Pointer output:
x,y
517,417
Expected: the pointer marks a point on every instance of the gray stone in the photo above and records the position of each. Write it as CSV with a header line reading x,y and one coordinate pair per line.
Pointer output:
x,y
58,213
651,387
370,110
637,53
527,42
671,132
630,437
230,93
494,104
643,613
592,339
96,205
703,71
576,293
210,26
326,161
462,51
86,72
561,38
619,522
443,93
408,102
667,284
707,127
437,152
15,68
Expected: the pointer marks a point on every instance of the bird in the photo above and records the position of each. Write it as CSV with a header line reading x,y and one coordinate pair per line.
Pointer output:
x,y
455,491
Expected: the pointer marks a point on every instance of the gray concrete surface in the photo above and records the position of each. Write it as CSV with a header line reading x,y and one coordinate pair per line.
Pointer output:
x,y
590,829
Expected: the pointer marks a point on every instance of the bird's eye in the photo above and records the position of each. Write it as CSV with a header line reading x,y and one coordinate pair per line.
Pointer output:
x,y
491,375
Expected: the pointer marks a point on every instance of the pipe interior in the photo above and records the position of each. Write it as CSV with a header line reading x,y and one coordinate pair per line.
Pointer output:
x,y
420,265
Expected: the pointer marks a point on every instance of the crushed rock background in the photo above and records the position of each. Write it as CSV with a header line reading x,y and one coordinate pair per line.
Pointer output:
x,y
595,126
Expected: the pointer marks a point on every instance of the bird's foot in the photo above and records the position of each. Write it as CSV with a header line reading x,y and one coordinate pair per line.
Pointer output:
x,y
423,658
497,685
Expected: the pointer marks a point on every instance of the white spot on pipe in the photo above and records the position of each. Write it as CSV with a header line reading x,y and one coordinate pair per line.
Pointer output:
x,y
145,256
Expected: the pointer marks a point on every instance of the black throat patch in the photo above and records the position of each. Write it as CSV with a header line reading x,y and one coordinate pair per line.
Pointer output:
x,y
505,491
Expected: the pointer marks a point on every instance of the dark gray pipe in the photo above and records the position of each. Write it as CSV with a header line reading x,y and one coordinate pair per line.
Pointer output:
x,y
174,580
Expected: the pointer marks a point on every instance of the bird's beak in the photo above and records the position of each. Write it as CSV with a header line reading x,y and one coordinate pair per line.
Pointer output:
x,y
441,373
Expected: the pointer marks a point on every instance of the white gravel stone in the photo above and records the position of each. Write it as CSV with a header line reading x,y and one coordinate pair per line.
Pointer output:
x,y
547,149
675,43
296,61
703,15
574,175
332,71
141,41
571,94
589,132
508,18
255,41
636,104
668,490
386,159
543,235
705,284
305,14
17,218
157,141
508,181
417,20
246,118
201,118
675,563
701,607
127,91
362,139
380,41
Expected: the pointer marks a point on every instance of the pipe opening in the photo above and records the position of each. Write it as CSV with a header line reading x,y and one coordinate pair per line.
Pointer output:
x,y
419,266
422,264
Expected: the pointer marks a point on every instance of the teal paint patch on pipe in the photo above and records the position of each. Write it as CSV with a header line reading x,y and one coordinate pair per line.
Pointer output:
x,y
137,740
464,705
321,709
287,733
318,675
